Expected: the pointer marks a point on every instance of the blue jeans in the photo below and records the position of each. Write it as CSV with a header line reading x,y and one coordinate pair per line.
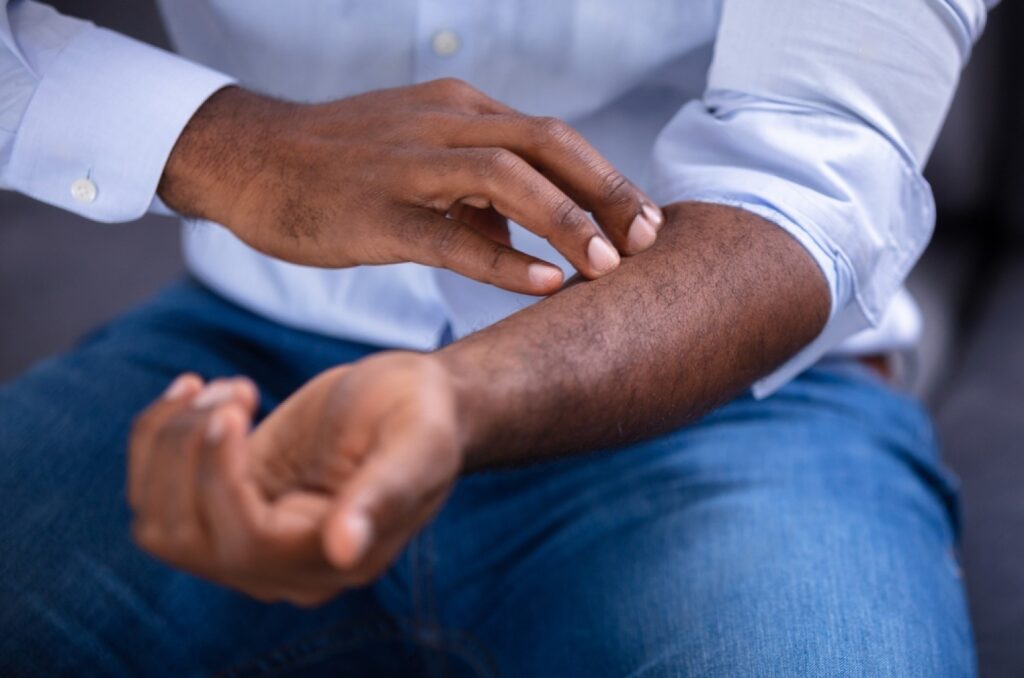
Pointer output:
x,y
812,533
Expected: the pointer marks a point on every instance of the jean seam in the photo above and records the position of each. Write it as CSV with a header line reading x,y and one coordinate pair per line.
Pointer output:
x,y
427,630
467,647
303,649
414,581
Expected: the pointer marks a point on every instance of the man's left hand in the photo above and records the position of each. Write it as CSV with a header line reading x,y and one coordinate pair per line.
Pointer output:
x,y
321,496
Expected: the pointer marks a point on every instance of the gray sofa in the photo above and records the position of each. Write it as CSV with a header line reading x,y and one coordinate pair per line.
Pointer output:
x,y
61,275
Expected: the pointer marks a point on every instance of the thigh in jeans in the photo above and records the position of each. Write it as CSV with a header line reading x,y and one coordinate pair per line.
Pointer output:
x,y
76,596
810,534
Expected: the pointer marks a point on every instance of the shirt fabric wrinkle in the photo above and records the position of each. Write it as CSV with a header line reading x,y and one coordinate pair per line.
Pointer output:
x,y
816,116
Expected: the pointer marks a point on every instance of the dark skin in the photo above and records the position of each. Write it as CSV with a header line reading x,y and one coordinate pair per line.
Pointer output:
x,y
426,173
722,299
323,494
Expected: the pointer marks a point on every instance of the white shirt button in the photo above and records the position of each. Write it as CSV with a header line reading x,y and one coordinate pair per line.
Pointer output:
x,y
83,190
446,43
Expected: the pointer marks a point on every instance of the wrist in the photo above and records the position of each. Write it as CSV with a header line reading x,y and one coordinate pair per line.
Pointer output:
x,y
222,149
475,414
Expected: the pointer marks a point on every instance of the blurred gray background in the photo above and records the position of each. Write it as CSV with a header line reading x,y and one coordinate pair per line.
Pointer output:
x,y
61,276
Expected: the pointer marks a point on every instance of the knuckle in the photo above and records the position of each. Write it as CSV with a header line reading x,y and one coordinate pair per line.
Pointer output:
x,y
454,87
448,243
417,226
553,131
497,259
499,163
615,190
569,220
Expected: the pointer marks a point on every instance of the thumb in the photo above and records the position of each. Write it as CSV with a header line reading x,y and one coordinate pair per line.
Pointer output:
x,y
395,491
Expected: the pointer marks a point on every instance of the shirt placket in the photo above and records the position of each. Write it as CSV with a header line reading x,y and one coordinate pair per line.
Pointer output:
x,y
444,39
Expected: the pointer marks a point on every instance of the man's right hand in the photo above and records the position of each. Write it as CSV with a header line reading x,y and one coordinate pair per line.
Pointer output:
x,y
427,173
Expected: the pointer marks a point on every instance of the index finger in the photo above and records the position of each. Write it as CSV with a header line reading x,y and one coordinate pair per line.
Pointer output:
x,y
518,191
627,215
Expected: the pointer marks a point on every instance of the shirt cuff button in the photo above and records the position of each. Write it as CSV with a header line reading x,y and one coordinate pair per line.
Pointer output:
x,y
83,190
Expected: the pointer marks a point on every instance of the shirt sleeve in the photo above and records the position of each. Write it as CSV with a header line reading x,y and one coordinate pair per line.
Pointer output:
x,y
88,117
819,116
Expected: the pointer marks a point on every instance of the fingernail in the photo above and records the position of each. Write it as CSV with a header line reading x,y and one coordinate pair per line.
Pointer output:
x,y
641,234
215,428
178,388
359,531
602,255
542,275
654,215
214,394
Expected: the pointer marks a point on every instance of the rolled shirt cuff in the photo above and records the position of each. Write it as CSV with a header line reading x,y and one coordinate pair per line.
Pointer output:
x,y
103,121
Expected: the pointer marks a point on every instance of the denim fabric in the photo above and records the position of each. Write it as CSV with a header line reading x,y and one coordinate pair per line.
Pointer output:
x,y
811,533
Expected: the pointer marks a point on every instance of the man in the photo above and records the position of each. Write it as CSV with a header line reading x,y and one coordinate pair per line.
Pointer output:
x,y
664,467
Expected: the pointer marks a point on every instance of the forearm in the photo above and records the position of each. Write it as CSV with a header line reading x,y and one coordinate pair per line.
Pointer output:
x,y
722,298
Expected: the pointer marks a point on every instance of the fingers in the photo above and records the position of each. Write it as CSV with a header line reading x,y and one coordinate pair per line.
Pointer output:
x,y
457,246
230,502
165,454
233,510
148,424
520,192
484,219
270,549
198,505
629,218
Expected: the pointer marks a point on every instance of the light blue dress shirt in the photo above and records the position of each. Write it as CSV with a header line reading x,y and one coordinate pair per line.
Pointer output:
x,y
816,114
